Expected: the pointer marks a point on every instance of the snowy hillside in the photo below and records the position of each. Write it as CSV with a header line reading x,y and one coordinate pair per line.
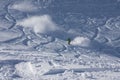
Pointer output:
x,y
59,40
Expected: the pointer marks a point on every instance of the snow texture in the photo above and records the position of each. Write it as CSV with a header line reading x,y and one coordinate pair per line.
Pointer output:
x,y
34,40
25,69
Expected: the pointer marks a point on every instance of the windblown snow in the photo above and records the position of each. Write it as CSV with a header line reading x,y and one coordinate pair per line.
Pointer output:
x,y
24,6
59,40
40,24
81,41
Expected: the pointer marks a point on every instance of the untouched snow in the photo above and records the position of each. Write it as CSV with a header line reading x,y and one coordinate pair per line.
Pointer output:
x,y
34,46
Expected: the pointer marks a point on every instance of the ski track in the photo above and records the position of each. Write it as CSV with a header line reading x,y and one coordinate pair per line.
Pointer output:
x,y
81,70
33,56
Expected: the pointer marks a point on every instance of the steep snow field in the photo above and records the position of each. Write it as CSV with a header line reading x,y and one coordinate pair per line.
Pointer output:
x,y
34,38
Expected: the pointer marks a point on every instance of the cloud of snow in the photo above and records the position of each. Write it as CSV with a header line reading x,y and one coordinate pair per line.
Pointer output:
x,y
80,41
24,6
40,24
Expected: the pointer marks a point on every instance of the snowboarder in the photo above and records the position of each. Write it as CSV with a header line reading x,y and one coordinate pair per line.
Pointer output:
x,y
69,40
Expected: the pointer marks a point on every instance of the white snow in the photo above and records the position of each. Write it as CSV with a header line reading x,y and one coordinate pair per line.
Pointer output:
x,y
80,41
25,69
25,6
8,35
44,67
40,24
43,54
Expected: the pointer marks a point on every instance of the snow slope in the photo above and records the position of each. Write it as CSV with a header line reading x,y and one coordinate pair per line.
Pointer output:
x,y
34,33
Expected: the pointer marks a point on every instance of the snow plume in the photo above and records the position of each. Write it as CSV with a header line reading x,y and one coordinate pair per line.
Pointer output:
x,y
40,24
81,41
24,6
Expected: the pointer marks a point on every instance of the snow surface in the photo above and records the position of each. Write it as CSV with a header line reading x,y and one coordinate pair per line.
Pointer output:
x,y
34,33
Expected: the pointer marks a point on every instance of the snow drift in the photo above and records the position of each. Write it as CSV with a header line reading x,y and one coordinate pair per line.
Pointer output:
x,y
40,24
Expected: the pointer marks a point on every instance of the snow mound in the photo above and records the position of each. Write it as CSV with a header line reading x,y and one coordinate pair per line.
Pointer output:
x,y
25,69
80,41
44,67
24,6
40,24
